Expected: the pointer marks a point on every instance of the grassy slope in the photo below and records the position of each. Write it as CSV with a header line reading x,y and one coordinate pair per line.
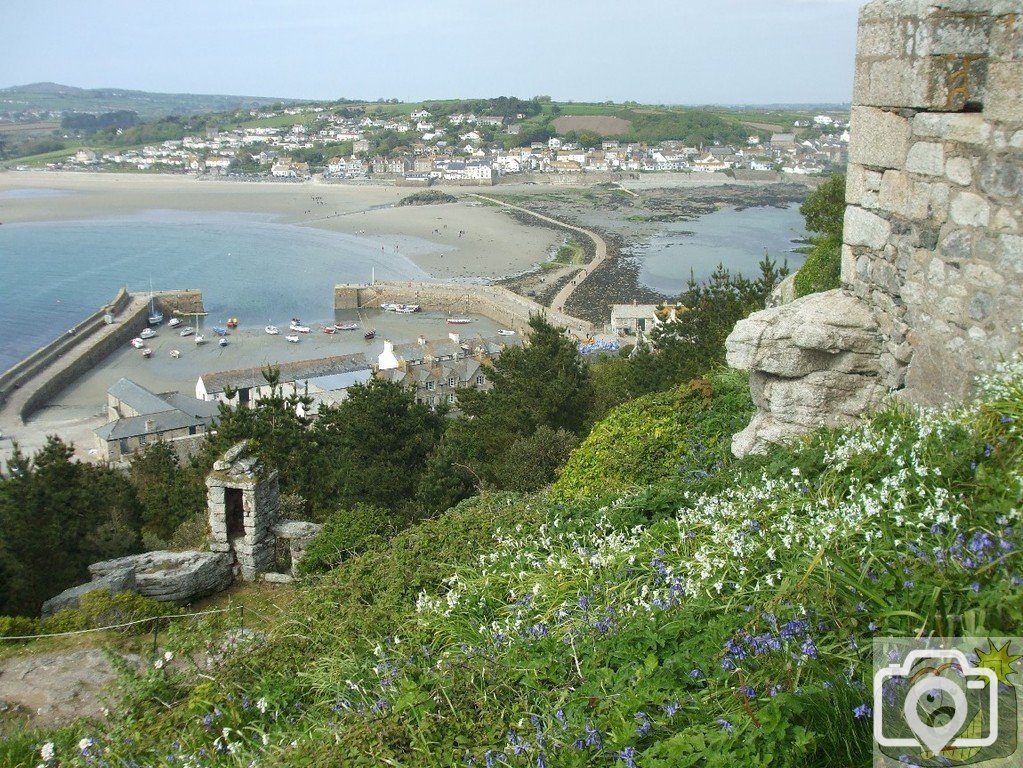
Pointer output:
x,y
715,621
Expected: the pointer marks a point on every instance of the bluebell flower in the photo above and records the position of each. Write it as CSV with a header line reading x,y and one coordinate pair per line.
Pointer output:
x,y
644,724
863,710
725,725
578,744
808,648
541,761
593,738
695,674
748,692
1005,419
627,756
975,586
909,584
670,709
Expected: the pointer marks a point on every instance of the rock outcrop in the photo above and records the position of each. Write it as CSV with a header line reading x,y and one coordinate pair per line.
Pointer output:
x,y
813,362
178,577
120,580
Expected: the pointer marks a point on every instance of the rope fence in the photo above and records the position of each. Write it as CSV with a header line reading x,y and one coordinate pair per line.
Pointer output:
x,y
239,608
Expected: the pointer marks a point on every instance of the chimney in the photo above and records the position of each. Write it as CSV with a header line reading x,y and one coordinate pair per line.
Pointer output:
x,y
455,338
150,426
422,341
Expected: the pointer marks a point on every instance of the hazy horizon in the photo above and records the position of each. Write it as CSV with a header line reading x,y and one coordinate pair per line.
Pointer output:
x,y
738,52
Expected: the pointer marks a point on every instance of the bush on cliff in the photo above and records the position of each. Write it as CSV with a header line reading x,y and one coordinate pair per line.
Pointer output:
x,y
824,211
683,432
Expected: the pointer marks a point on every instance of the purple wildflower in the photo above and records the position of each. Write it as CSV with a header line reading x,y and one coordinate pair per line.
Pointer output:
x,y
725,725
863,710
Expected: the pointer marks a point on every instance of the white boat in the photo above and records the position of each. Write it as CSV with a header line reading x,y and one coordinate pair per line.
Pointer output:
x,y
138,343
175,354
273,330
404,310
187,331
297,327
147,352
293,338
174,322
459,320
200,339
223,341
346,326
505,332
155,316
389,307
147,333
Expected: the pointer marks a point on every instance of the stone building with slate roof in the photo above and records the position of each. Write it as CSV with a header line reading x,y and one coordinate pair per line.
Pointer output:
x,y
139,418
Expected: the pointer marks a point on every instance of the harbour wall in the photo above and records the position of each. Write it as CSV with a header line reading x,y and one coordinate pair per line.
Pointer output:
x,y
497,303
23,371
31,383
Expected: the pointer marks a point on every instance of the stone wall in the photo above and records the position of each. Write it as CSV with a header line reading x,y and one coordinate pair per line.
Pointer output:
x,y
933,237
934,224
497,303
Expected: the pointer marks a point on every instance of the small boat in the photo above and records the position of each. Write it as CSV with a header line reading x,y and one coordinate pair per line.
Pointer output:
x,y
138,342
346,326
273,330
147,352
155,315
223,341
232,322
328,329
147,333
369,334
174,322
389,307
297,327
404,310
187,331
459,320
505,332
200,339
219,331
175,354
293,338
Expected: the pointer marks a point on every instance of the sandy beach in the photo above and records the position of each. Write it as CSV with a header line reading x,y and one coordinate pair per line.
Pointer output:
x,y
492,244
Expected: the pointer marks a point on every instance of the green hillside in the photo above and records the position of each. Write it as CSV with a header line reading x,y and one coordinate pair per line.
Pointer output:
x,y
53,97
718,620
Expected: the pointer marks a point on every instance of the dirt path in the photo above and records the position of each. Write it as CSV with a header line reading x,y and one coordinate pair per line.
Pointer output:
x,y
561,298
51,689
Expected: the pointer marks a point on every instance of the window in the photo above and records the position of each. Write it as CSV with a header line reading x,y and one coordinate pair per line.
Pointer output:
x,y
452,381
451,398
429,386
480,381
191,430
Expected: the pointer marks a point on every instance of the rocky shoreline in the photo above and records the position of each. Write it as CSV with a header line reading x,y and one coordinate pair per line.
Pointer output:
x,y
626,218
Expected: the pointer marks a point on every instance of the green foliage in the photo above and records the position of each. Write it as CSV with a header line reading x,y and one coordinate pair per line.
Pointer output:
x,y
52,504
100,608
823,210
543,383
532,462
687,346
718,622
18,626
683,432
169,494
345,534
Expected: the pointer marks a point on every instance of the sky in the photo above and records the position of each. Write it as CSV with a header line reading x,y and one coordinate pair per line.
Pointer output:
x,y
650,51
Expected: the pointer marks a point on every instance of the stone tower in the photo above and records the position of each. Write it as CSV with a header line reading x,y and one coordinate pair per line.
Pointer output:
x,y
244,503
932,261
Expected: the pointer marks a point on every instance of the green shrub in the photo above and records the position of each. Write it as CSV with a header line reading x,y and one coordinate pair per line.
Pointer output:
x,y
822,269
685,431
345,534
18,626
100,608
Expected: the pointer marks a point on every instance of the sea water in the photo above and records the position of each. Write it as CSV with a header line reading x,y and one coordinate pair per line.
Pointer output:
x,y
54,274
738,239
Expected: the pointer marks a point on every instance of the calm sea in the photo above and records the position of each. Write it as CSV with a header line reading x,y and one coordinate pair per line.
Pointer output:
x,y
737,239
53,274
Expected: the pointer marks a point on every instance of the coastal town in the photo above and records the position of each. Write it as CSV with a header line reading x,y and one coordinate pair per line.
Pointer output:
x,y
455,148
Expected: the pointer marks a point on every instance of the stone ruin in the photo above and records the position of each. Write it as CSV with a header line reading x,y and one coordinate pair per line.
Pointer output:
x,y
932,260
244,505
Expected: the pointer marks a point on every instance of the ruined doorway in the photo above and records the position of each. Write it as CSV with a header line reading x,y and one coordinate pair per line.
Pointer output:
x,y
235,513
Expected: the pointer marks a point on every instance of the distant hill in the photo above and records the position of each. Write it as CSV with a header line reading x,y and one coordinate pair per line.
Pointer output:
x,y
54,97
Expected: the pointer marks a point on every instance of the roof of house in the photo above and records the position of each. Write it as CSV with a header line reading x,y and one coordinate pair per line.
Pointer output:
x,y
137,397
290,372
632,311
163,413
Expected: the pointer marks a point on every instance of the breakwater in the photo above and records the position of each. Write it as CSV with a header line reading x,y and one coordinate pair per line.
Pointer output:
x,y
31,383
491,301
